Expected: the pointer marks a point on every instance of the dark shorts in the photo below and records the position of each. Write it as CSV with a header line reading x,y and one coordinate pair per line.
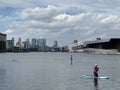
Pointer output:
x,y
95,74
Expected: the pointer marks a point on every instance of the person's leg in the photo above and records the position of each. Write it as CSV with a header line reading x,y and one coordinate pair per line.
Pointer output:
x,y
95,74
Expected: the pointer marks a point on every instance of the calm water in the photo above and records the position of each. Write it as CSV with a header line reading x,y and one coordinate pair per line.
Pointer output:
x,y
53,71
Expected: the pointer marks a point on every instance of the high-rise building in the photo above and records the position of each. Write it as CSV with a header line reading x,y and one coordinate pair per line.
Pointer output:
x,y
2,42
10,45
33,42
56,43
41,43
19,43
27,43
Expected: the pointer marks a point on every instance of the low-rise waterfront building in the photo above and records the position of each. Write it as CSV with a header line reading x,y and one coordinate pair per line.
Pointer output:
x,y
99,45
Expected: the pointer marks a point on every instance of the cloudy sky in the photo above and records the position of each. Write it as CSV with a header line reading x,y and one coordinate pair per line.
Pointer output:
x,y
61,20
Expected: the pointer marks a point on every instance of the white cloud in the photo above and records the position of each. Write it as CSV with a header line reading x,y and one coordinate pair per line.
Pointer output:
x,y
8,31
54,22
111,19
61,17
81,19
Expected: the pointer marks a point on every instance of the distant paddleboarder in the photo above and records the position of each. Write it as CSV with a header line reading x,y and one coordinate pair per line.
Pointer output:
x,y
71,58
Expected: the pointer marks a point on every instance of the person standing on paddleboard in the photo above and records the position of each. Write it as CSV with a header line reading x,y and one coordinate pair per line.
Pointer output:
x,y
71,58
95,70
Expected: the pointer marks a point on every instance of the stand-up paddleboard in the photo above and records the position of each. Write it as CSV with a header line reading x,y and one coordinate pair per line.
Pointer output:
x,y
92,77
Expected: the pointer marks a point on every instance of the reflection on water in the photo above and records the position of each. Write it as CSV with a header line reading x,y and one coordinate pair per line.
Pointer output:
x,y
95,84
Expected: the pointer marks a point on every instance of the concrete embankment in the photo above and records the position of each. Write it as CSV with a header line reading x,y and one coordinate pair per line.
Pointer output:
x,y
101,51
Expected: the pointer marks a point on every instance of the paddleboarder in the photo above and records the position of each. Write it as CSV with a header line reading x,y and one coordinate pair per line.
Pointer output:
x,y
95,70
71,58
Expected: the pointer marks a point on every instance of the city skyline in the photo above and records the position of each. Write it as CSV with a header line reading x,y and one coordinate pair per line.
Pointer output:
x,y
32,40
64,21
35,44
